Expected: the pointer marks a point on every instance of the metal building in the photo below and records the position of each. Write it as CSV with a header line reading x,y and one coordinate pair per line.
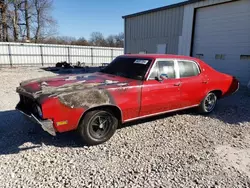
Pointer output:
x,y
217,31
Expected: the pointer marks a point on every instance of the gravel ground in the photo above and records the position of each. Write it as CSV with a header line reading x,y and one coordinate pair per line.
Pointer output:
x,y
175,150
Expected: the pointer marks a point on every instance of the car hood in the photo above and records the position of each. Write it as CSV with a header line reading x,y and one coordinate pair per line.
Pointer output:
x,y
53,86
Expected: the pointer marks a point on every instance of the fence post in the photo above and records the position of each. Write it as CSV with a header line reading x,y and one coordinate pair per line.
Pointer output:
x,y
92,57
112,54
69,54
10,55
41,50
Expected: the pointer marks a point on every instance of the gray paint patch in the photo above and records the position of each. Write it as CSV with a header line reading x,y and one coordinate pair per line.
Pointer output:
x,y
87,98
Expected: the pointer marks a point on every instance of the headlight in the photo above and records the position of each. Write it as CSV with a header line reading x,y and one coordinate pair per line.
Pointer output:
x,y
39,111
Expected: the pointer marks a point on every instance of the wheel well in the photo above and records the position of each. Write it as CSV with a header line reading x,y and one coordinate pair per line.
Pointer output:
x,y
218,93
113,109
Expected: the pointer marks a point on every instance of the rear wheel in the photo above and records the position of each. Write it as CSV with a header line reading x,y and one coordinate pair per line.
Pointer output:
x,y
208,103
97,127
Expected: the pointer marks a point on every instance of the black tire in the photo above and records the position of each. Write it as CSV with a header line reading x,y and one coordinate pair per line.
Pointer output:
x,y
92,132
205,107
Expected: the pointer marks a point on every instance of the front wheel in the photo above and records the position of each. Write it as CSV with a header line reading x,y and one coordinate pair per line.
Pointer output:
x,y
97,127
208,103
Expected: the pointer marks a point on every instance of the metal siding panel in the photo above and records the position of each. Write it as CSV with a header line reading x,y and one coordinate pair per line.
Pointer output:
x,y
153,28
160,23
173,19
185,39
145,26
176,20
154,24
143,31
157,24
165,23
229,21
180,21
125,36
132,28
129,29
169,22
139,27
136,21
150,25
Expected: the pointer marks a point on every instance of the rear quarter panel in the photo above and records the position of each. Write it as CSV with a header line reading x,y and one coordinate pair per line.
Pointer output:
x,y
225,83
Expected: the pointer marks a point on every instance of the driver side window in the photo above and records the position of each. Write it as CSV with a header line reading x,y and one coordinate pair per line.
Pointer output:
x,y
164,68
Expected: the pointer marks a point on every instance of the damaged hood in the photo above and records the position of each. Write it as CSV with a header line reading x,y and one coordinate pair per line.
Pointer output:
x,y
61,85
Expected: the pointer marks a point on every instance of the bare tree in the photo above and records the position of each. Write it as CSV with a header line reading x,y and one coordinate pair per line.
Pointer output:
x,y
4,9
44,22
27,18
119,40
30,20
15,21
80,41
115,40
14,17
97,39
111,41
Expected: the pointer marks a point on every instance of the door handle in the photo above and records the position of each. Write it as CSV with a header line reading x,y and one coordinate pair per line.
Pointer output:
x,y
204,82
177,84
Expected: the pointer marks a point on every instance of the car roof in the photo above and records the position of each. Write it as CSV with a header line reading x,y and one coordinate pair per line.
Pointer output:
x,y
162,56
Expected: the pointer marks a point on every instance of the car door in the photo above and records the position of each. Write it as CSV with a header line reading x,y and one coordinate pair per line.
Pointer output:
x,y
193,83
160,95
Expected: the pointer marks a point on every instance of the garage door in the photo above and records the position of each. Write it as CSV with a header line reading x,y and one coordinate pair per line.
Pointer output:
x,y
222,38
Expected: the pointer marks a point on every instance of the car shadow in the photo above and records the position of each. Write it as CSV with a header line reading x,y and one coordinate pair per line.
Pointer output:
x,y
72,70
17,131
231,110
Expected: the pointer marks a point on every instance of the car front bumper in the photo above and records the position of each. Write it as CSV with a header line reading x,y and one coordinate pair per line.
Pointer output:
x,y
47,125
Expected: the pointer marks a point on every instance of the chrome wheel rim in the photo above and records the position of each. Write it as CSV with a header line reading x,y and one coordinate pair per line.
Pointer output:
x,y
210,102
100,125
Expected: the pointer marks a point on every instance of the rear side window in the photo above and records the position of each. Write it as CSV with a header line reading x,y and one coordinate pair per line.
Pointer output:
x,y
188,69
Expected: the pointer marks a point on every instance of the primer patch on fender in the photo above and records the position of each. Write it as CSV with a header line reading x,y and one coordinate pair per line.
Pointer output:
x,y
89,98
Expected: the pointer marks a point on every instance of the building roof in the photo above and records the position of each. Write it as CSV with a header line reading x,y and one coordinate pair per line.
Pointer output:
x,y
162,8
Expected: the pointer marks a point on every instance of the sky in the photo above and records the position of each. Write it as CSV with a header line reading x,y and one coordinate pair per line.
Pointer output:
x,y
79,18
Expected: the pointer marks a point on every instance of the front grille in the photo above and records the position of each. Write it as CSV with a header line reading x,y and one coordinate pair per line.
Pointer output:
x,y
27,105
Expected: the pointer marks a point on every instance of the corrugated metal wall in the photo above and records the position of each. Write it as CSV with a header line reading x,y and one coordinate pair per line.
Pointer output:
x,y
144,32
185,40
23,54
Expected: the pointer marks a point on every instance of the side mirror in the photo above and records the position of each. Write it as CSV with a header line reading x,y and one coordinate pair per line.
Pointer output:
x,y
161,77
158,78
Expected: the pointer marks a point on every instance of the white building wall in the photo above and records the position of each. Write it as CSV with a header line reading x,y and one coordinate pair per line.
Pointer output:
x,y
185,40
146,31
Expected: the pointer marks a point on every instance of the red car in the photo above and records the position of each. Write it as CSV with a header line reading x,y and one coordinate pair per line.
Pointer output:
x,y
131,87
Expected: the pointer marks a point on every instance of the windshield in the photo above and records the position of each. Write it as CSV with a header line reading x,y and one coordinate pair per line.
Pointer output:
x,y
133,68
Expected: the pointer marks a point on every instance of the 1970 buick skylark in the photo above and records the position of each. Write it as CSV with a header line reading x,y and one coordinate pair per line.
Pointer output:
x,y
132,86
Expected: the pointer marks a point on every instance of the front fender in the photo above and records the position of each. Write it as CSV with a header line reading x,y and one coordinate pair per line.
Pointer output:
x,y
64,117
66,109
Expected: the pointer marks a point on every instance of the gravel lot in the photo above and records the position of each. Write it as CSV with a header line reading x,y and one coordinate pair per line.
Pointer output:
x,y
175,150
